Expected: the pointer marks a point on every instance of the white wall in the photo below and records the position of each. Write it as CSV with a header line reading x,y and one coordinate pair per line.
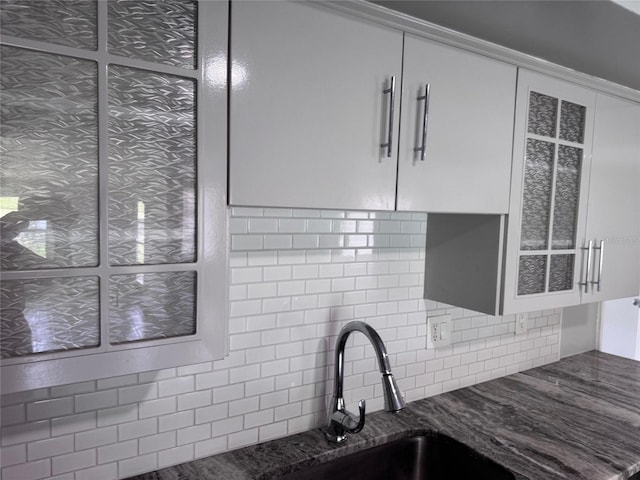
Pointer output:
x,y
296,278
579,329
620,330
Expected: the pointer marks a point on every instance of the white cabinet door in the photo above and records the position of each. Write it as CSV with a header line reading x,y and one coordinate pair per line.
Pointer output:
x,y
545,257
467,158
307,110
614,200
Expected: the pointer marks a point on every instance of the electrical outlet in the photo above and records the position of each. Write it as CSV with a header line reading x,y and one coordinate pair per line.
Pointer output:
x,y
438,331
522,323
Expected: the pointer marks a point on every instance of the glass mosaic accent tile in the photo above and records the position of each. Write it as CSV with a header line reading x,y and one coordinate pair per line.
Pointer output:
x,y
536,200
152,168
532,274
152,305
561,273
156,31
71,23
543,115
567,196
48,315
49,150
572,120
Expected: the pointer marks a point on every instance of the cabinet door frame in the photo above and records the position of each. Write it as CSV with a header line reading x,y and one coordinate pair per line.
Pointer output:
x,y
614,199
467,162
512,302
308,113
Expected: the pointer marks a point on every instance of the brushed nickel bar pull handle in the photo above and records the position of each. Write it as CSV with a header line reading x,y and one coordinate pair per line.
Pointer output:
x,y
587,276
425,121
598,283
392,101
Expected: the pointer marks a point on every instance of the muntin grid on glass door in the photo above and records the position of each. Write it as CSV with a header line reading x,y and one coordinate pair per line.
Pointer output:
x,y
552,173
98,187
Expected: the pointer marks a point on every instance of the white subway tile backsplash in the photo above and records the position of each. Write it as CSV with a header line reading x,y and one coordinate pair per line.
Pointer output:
x,y
194,434
13,455
176,421
137,429
96,438
116,382
139,464
155,408
66,390
96,401
137,393
117,451
49,408
155,443
212,413
173,456
27,432
49,447
260,386
109,470
190,401
12,415
31,470
296,277
73,461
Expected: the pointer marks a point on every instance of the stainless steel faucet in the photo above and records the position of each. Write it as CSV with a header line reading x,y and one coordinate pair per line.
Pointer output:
x,y
342,421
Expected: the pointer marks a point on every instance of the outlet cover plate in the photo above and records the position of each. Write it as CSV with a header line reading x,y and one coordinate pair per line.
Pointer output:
x,y
522,323
439,331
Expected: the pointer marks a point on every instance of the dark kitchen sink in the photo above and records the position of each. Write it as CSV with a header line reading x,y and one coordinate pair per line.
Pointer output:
x,y
425,457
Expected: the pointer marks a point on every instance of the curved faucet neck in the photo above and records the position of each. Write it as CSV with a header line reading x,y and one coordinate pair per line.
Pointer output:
x,y
376,342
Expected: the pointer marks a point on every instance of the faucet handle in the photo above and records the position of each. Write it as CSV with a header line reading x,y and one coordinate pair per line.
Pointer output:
x,y
342,422
354,425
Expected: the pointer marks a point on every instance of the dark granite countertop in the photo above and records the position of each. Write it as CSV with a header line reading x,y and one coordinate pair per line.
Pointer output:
x,y
578,418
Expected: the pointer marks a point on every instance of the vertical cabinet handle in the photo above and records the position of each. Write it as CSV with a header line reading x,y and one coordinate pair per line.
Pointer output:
x,y
392,101
598,283
587,276
425,120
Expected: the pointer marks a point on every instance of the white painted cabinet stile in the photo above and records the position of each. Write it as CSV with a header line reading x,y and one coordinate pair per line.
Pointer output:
x,y
307,109
467,158
614,199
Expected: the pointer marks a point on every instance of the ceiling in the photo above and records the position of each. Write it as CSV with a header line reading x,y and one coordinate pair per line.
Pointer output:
x,y
598,37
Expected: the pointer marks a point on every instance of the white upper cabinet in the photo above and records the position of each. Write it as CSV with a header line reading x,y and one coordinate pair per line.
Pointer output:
x,y
455,144
315,122
550,185
613,222
308,112
573,228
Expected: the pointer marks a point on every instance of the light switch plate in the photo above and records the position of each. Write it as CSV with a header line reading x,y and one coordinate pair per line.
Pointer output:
x,y
522,323
439,331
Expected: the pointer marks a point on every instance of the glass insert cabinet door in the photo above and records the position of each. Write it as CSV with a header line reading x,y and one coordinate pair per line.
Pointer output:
x,y
554,156
98,186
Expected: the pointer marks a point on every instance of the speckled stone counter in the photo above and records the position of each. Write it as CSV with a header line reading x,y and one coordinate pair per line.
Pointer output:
x,y
578,418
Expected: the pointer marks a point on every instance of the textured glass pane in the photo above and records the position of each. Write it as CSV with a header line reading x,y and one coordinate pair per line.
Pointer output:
x,y
561,273
152,167
64,22
565,212
48,145
543,114
536,199
157,31
572,122
532,274
48,314
152,305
